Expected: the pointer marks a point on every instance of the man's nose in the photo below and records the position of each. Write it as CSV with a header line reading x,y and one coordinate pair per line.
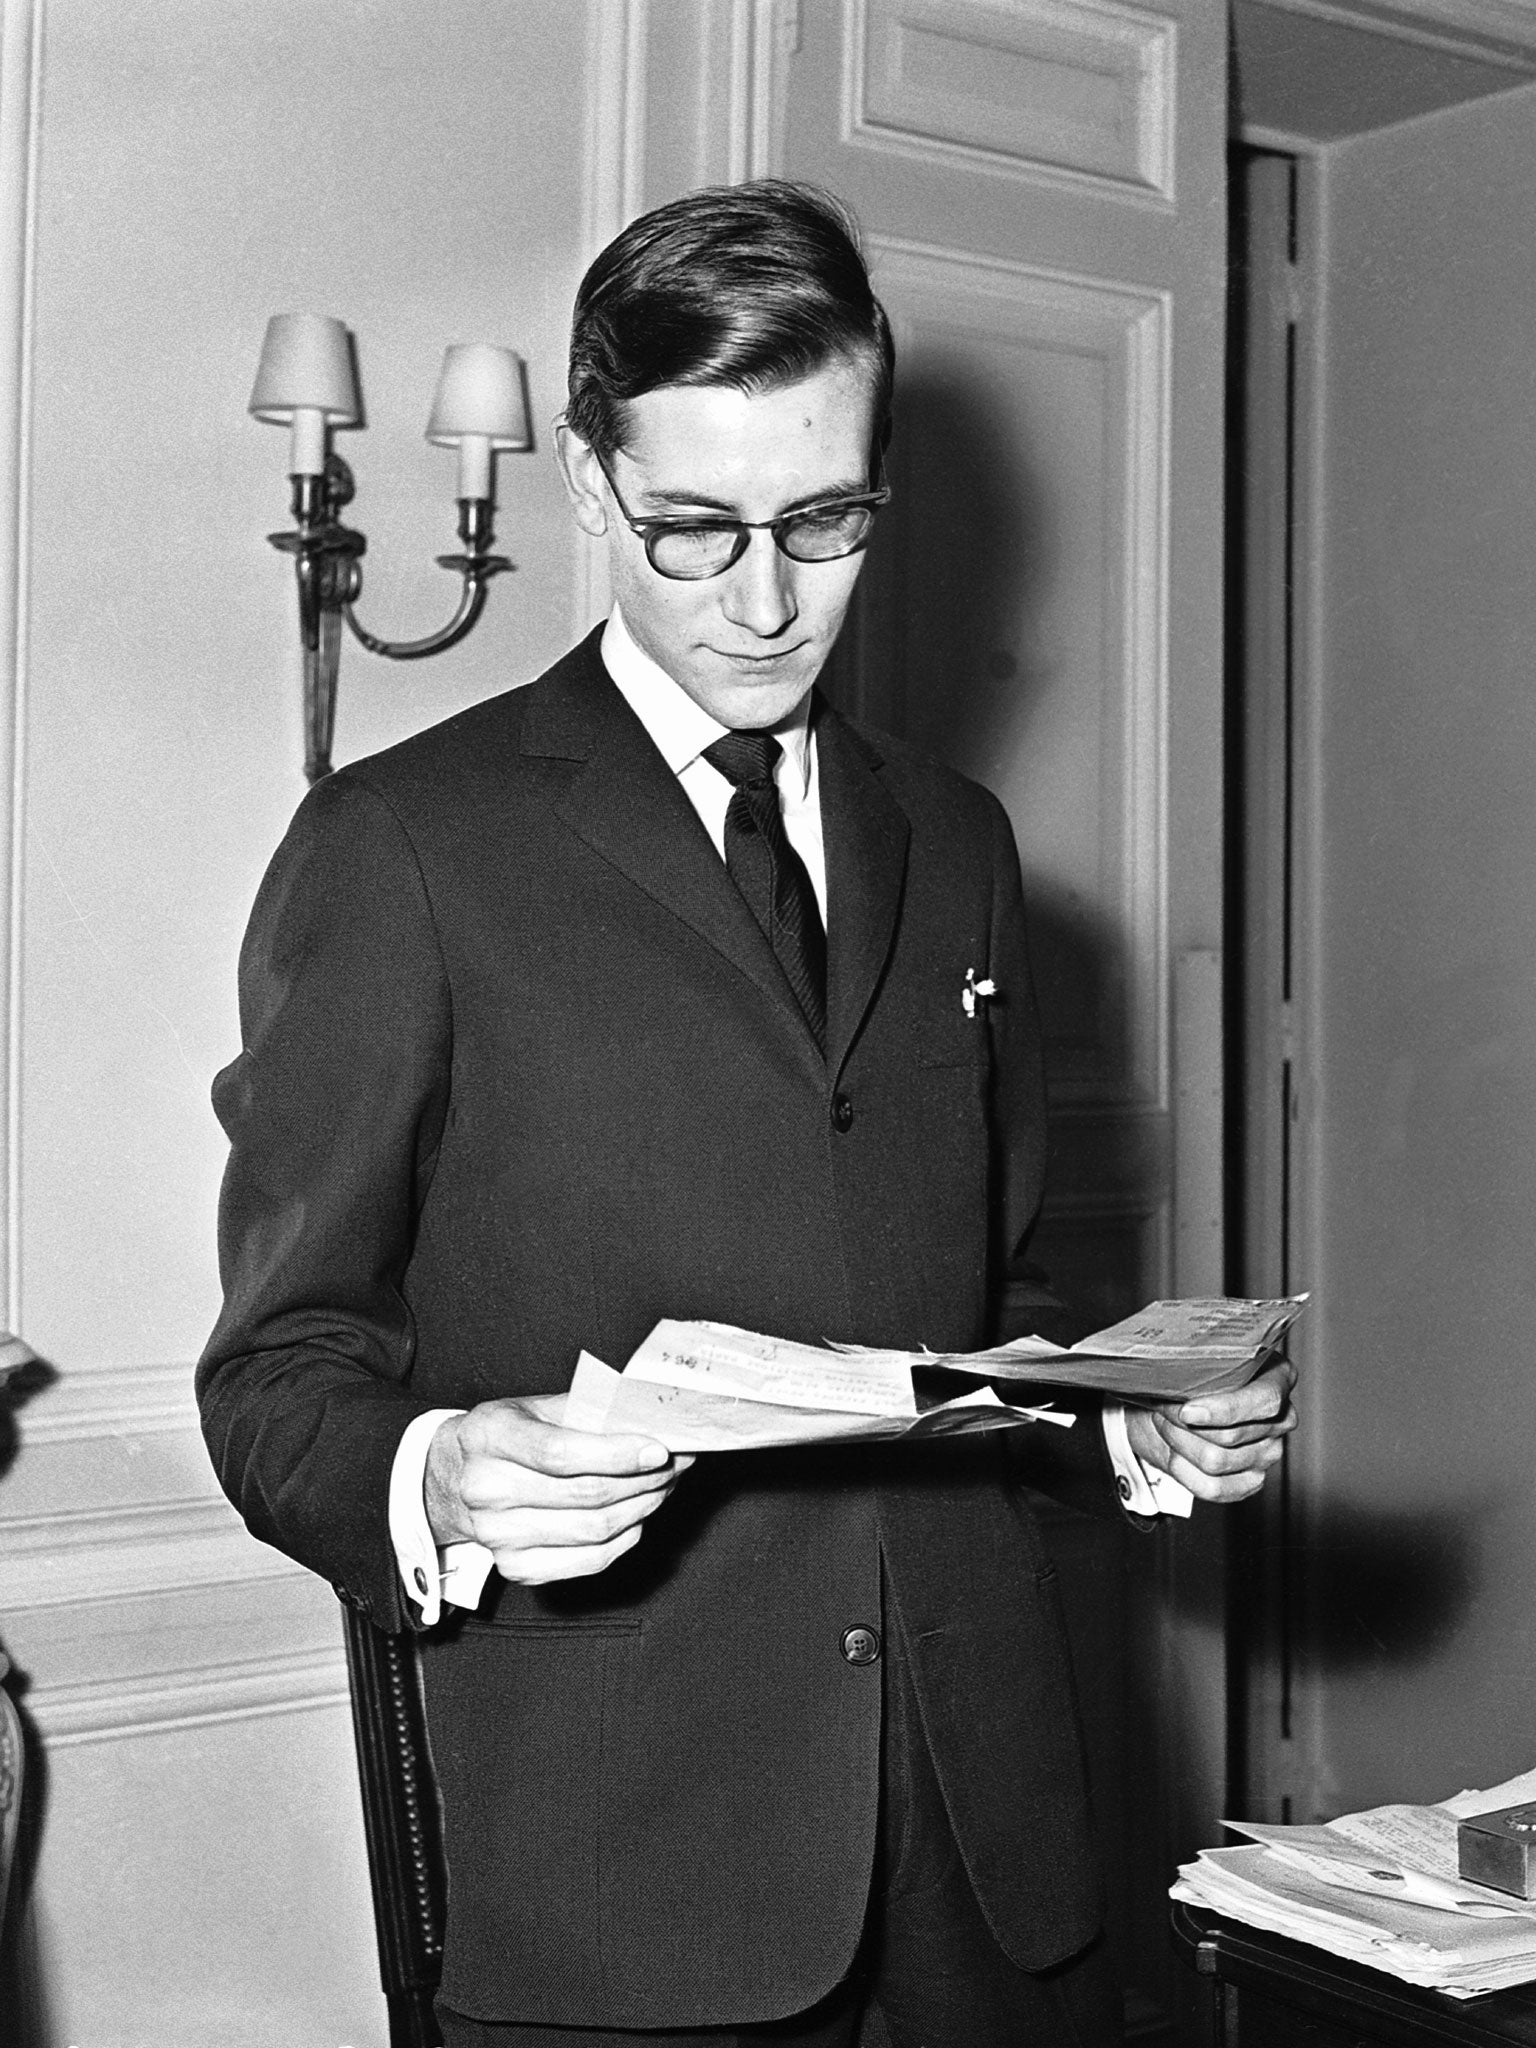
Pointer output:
x,y
760,589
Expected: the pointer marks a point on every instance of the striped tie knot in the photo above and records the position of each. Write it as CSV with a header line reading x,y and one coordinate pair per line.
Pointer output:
x,y
746,759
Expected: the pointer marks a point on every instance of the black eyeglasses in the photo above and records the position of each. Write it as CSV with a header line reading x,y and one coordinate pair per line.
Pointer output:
x,y
691,550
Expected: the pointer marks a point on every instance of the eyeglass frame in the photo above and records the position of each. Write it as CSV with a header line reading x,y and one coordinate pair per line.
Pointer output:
x,y
648,531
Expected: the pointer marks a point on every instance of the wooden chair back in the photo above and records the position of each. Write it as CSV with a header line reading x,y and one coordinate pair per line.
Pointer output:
x,y
401,1824
11,1774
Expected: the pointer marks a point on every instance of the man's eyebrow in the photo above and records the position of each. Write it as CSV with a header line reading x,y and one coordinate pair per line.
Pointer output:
x,y
700,501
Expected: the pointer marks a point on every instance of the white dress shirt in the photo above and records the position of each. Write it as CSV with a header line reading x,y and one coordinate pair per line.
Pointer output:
x,y
681,730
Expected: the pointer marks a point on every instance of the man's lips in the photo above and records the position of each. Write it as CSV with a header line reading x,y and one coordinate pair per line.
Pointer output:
x,y
746,658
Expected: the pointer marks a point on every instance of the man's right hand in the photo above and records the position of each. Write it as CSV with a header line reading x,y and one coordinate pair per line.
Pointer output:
x,y
548,1503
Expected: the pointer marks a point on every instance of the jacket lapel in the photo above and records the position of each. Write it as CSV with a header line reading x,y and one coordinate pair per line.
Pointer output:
x,y
616,793
866,834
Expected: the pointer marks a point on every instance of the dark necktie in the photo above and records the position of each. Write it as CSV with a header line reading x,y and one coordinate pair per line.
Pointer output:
x,y
768,871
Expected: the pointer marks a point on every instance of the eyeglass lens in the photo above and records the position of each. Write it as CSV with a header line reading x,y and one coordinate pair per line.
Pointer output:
x,y
689,553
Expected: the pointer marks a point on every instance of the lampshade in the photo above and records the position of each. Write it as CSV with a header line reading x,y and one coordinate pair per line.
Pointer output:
x,y
306,366
482,392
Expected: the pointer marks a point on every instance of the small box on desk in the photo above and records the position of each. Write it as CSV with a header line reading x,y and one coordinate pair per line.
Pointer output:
x,y
1499,1849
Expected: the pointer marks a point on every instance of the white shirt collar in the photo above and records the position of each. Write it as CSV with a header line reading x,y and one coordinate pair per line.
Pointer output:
x,y
680,728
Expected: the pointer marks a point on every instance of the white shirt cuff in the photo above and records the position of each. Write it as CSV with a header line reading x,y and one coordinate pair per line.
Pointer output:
x,y
1142,1489
457,1573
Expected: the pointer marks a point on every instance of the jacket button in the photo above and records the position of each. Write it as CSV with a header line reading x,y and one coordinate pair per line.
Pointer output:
x,y
842,1113
1123,1487
860,1645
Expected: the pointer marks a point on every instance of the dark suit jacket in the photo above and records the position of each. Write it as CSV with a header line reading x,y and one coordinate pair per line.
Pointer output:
x,y
521,1075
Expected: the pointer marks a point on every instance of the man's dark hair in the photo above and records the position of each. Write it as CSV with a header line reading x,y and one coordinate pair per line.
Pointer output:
x,y
752,286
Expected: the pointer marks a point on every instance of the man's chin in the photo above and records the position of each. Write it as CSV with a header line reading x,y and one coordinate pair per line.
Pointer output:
x,y
749,696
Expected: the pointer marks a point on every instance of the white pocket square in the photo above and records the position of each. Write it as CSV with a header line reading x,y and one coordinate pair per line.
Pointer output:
x,y
975,991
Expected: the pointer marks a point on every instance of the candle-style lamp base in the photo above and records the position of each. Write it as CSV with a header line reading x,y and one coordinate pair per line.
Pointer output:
x,y
307,381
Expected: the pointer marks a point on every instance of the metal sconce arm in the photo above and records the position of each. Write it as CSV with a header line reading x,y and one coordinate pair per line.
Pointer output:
x,y
477,565
327,560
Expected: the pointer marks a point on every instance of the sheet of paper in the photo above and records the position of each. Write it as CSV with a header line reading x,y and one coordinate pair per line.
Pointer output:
x,y
702,1385
699,1419
1513,1792
1169,1351
1224,1327
1417,1837
1392,1862
725,1360
1127,1379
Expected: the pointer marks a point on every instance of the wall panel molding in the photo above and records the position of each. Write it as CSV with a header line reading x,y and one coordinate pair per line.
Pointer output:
x,y
253,1689
81,1555
176,1656
1491,31
962,308
764,33
612,172
1076,92
113,1401
613,169
113,1496
21,38
132,1598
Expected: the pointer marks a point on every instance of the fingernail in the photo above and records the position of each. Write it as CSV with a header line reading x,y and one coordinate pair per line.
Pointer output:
x,y
1196,1417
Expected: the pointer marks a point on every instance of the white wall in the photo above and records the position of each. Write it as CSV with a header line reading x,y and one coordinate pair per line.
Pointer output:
x,y
426,174
1422,1625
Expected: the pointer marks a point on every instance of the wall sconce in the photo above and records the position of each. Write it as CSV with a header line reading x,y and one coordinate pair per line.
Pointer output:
x,y
307,382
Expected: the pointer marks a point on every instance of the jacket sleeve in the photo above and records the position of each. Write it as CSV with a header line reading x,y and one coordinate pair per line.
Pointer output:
x,y
334,1110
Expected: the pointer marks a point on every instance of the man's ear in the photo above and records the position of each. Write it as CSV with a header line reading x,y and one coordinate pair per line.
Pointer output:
x,y
582,475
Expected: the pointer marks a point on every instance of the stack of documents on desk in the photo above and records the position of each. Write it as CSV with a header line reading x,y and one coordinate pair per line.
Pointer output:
x,y
708,1387
1380,1888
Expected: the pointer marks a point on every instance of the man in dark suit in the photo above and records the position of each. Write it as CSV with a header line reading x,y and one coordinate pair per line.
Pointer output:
x,y
650,989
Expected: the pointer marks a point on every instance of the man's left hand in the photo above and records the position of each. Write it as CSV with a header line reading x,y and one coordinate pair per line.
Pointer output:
x,y
1218,1445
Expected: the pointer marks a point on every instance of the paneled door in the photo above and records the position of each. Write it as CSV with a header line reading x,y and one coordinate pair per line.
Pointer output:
x,y
1042,186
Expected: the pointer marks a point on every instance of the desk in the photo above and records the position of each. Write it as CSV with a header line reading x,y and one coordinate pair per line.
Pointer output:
x,y
1265,1992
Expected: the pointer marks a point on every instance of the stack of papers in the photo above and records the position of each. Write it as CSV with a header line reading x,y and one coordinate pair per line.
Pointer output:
x,y
1168,1351
697,1386
708,1387
1381,1888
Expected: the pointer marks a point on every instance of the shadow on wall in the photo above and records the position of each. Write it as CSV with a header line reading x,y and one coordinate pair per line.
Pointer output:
x,y
945,637
958,645
24,2017
979,542
1387,1588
